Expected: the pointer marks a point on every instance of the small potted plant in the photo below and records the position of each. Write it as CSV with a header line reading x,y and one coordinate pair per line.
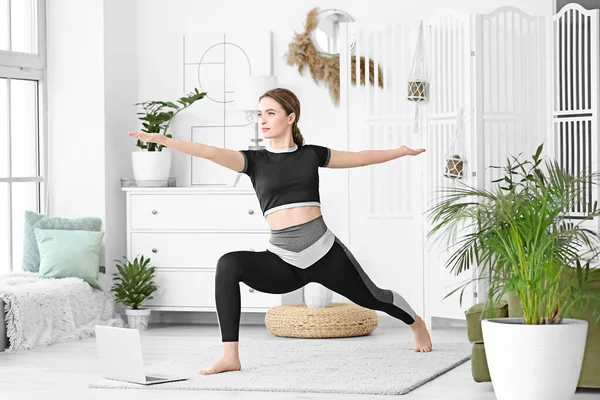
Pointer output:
x,y
150,162
133,285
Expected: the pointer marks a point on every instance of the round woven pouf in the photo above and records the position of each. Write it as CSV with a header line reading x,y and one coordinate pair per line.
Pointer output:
x,y
334,321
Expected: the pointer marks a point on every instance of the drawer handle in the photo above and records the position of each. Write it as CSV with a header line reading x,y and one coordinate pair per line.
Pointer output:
x,y
154,212
251,290
251,211
155,250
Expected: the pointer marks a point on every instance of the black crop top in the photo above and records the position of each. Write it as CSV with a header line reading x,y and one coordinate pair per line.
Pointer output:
x,y
284,178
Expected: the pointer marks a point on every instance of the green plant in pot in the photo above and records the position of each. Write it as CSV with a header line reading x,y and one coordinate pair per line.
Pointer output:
x,y
523,233
150,162
133,285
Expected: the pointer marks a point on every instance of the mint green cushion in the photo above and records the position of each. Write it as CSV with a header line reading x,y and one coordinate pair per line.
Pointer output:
x,y
31,255
69,253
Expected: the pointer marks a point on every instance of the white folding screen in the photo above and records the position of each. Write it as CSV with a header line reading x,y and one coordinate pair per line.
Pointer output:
x,y
521,81
449,69
449,64
383,114
575,90
510,88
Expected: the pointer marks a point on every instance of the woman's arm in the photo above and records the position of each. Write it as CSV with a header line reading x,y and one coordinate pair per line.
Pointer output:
x,y
227,158
231,159
351,159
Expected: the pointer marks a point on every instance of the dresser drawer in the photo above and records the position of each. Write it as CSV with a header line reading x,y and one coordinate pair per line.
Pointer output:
x,y
196,211
184,289
197,289
198,250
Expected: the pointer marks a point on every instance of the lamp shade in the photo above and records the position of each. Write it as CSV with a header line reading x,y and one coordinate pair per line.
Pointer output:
x,y
250,88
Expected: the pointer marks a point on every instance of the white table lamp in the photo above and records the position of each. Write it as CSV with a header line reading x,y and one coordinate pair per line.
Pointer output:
x,y
247,92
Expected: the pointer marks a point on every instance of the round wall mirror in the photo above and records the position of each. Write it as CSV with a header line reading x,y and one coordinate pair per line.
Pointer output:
x,y
326,36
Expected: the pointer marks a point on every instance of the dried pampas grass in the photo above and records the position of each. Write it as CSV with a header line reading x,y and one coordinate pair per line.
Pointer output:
x,y
327,69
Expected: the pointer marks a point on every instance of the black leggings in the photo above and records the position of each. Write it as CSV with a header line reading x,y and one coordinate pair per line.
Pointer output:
x,y
268,273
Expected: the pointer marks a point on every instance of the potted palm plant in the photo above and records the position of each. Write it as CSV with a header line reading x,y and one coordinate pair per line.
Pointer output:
x,y
150,162
133,286
523,232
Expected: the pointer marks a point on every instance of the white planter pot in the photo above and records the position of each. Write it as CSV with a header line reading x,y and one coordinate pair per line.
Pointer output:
x,y
138,319
317,295
534,362
151,165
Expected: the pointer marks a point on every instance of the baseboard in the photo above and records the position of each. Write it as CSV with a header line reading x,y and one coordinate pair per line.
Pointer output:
x,y
203,318
440,323
253,318
436,322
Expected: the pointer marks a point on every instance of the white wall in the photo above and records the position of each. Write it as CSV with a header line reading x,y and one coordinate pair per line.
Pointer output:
x,y
92,69
76,117
120,70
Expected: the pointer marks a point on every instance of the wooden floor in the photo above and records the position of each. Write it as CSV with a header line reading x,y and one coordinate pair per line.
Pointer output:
x,y
63,371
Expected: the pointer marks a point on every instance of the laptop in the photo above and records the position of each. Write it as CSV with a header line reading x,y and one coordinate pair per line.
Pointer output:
x,y
120,353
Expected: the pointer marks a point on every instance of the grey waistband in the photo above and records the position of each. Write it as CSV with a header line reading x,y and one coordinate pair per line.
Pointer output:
x,y
299,237
302,245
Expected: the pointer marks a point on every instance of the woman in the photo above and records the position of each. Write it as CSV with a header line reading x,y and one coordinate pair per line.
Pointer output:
x,y
301,248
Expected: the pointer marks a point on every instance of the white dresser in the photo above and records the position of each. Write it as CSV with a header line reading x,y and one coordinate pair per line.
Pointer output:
x,y
184,231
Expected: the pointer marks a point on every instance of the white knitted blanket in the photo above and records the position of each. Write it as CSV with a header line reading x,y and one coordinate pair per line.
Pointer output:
x,y
40,312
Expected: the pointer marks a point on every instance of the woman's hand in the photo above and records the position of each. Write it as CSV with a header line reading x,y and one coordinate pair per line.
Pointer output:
x,y
149,137
407,151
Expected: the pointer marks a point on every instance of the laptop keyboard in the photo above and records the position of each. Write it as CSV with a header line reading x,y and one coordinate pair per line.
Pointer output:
x,y
153,378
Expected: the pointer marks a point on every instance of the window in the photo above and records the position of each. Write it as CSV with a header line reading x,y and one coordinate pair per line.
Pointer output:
x,y
22,122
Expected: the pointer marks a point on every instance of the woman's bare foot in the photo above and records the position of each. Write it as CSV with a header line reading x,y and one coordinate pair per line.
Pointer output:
x,y
421,336
229,361
223,365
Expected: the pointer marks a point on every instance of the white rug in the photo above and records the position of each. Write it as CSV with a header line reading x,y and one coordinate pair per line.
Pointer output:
x,y
353,365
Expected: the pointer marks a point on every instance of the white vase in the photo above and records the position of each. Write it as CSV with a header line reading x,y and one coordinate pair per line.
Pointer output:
x,y
138,319
151,165
534,362
317,295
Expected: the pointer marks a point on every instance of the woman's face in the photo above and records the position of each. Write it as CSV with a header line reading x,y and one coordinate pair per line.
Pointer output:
x,y
272,118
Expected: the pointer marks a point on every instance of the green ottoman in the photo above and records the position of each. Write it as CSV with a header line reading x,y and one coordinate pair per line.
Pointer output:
x,y
479,367
473,316
590,370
